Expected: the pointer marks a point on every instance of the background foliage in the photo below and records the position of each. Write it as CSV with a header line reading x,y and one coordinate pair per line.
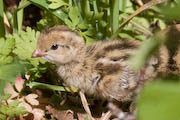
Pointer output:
x,y
94,20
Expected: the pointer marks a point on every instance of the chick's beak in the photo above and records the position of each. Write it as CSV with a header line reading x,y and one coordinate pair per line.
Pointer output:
x,y
37,53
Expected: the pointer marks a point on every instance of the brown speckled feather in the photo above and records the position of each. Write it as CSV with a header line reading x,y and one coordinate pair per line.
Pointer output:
x,y
100,69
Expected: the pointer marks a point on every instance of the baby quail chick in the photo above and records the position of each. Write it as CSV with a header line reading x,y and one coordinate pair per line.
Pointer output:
x,y
100,69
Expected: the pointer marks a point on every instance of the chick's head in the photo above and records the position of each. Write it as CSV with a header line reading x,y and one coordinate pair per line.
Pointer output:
x,y
58,45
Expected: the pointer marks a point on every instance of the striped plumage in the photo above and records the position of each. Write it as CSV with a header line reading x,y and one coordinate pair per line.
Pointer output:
x,y
100,69
116,79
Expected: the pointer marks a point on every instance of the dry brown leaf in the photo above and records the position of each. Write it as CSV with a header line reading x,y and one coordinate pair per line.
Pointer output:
x,y
60,114
31,98
38,114
27,77
21,117
19,84
10,90
26,105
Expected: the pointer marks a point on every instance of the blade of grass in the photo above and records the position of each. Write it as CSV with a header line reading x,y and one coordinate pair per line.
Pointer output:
x,y
18,15
122,5
8,15
114,15
2,27
52,87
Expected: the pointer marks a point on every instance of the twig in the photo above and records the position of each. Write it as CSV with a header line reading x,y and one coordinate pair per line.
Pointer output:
x,y
106,116
85,105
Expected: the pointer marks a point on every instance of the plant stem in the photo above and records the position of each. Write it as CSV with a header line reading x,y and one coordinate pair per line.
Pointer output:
x,y
2,27
52,87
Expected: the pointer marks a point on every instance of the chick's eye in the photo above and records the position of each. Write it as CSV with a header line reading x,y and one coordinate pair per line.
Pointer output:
x,y
54,47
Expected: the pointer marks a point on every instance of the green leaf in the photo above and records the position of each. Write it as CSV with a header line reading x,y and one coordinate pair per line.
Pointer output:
x,y
122,5
2,117
14,103
125,35
26,44
6,47
69,23
44,5
159,101
56,4
5,97
114,15
2,28
89,40
140,37
9,72
171,11
12,109
83,25
161,23
2,85
74,18
74,15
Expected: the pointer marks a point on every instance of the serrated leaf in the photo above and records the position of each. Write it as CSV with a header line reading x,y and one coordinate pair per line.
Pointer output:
x,y
25,45
20,111
89,32
6,47
69,23
5,97
5,59
56,4
12,109
2,117
74,15
83,25
14,103
88,40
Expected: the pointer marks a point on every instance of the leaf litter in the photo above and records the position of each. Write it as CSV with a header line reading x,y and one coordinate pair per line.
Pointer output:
x,y
41,104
